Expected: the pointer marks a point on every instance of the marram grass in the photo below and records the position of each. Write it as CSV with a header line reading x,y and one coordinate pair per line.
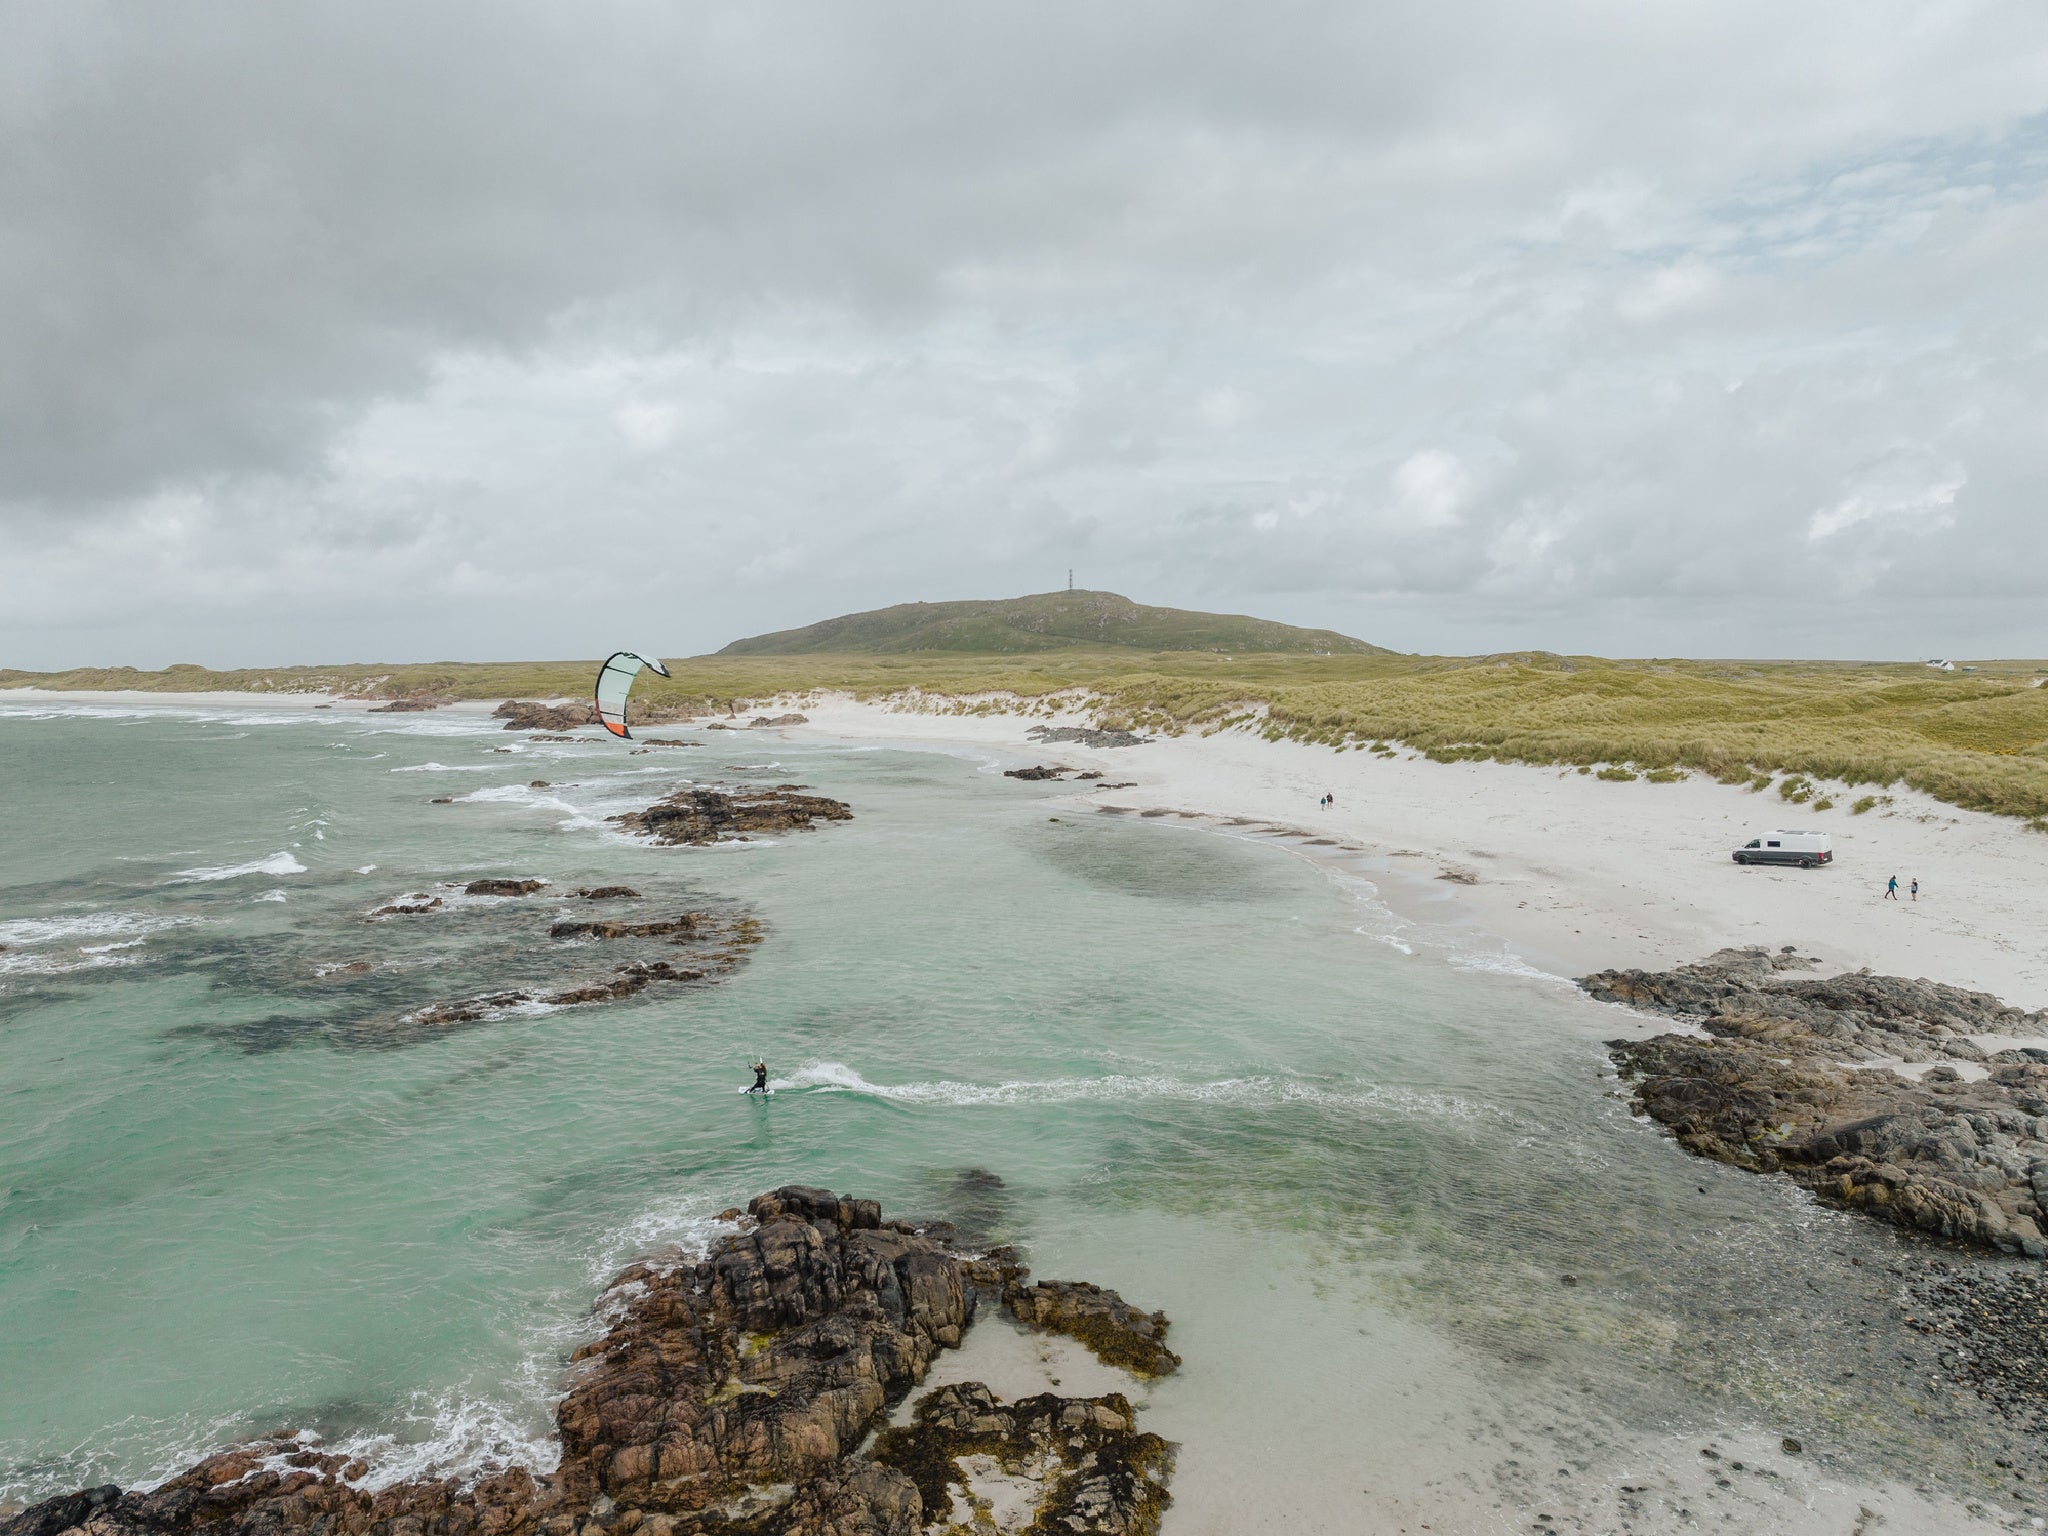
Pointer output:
x,y
1978,740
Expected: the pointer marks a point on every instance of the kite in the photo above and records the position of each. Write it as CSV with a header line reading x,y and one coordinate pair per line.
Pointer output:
x,y
614,682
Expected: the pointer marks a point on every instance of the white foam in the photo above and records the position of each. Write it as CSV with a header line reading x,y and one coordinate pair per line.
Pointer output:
x,y
1256,1092
444,768
462,1437
1501,962
271,896
366,869
62,962
88,925
276,864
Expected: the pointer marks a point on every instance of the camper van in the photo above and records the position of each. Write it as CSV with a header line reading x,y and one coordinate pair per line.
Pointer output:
x,y
1809,850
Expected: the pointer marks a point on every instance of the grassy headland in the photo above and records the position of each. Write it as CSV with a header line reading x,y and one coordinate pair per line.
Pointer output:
x,y
1977,738
1973,739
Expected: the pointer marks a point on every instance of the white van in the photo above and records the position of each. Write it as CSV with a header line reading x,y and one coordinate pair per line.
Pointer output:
x,y
1809,850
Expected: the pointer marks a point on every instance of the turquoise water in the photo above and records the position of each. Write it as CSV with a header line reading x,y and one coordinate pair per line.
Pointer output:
x,y
238,1189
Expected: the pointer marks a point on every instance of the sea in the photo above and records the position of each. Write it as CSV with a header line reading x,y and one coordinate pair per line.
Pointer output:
x,y
1424,1267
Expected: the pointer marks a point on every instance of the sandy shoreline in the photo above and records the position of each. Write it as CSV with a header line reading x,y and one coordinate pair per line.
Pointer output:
x,y
1577,874
1571,873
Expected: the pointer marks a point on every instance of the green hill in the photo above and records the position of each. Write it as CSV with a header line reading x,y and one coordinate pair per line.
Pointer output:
x,y
1048,621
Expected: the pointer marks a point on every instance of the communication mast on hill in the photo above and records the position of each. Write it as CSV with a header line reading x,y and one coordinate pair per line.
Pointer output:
x,y
1070,578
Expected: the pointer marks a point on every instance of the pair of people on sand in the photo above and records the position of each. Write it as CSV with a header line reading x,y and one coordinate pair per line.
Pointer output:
x,y
1327,801
1891,890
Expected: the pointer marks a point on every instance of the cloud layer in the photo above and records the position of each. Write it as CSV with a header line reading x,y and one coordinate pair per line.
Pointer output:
x,y
367,331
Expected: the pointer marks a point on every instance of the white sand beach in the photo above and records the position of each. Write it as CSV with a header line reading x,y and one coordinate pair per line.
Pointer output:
x,y
1570,872
1577,874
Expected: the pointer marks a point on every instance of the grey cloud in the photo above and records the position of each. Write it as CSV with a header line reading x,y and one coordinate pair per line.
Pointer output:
x,y
1611,325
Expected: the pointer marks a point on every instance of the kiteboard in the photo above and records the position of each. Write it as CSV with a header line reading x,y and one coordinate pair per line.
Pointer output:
x,y
766,1093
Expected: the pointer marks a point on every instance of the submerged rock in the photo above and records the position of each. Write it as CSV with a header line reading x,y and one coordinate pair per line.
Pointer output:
x,y
1081,1464
409,703
503,887
703,816
1042,771
729,1394
1771,1089
530,715
1117,1332
1087,736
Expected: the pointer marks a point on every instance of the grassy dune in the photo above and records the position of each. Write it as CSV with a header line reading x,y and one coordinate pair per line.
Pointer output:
x,y
1972,739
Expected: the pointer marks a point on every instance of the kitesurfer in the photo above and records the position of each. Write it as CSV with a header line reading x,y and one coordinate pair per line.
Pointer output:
x,y
760,1078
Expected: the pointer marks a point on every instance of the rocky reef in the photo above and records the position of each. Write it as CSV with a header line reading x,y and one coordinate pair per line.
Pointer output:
x,y
1114,1330
531,715
730,1394
1061,1464
1793,1076
1087,736
699,817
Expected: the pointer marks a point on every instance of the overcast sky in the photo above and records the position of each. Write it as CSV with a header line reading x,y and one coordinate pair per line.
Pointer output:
x,y
364,331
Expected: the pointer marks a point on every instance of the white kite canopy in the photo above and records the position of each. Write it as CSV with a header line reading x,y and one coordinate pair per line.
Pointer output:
x,y
614,682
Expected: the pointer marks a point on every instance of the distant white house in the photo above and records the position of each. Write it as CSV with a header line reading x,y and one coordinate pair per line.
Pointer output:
x,y
1942,666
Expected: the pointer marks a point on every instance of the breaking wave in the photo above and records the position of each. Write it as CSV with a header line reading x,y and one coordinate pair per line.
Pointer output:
x,y
1254,1092
276,864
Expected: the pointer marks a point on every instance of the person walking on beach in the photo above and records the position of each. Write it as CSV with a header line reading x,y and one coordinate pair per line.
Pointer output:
x,y
761,1073
1916,887
1891,891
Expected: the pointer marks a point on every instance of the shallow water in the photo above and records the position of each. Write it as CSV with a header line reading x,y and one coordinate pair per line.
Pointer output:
x,y
239,1189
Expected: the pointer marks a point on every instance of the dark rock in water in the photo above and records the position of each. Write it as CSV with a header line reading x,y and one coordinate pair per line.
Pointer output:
x,y
666,741
409,703
701,816
529,715
538,784
1095,1471
606,892
1770,1090
442,800
1087,736
1042,771
409,908
570,928
789,719
728,1395
503,887
1117,1332
545,737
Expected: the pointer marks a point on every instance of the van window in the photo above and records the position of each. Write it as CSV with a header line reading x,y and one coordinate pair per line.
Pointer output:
x,y
1752,843
1772,843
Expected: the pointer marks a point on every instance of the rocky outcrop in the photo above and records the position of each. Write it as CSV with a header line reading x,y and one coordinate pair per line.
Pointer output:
x,y
702,816
1735,990
1042,771
495,887
414,906
530,715
1091,1468
682,922
410,703
607,893
1087,736
1114,1330
1771,1089
789,719
728,1395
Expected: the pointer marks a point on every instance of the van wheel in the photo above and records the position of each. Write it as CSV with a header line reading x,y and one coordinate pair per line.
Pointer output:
x,y
1809,863
1740,859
